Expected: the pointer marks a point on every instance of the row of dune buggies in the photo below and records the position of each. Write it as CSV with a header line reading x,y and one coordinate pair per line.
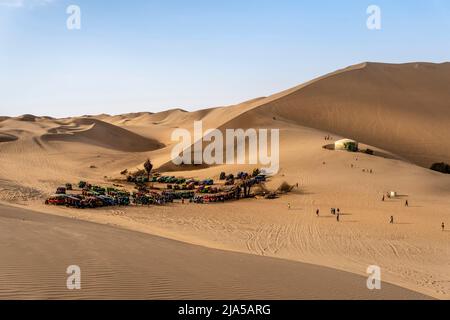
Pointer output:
x,y
196,191
173,183
154,198
90,197
233,194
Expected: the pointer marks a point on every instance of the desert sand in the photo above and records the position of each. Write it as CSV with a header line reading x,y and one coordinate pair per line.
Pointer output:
x,y
119,264
400,111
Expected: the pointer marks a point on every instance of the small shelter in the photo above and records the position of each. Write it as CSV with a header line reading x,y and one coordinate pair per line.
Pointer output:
x,y
346,144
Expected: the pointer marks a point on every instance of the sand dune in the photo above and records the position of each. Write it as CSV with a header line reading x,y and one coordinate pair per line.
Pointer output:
x,y
403,109
102,134
36,249
400,108
86,131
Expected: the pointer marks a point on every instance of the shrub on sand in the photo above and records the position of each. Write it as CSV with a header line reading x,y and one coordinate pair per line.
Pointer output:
x,y
285,187
441,167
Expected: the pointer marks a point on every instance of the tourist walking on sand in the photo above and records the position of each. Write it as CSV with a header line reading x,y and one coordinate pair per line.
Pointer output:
x,y
383,198
392,220
317,212
338,217
443,226
406,203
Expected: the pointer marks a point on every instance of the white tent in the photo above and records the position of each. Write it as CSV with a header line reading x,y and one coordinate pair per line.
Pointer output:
x,y
346,144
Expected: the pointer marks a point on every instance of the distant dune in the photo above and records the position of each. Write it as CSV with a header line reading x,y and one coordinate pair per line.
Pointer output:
x,y
96,132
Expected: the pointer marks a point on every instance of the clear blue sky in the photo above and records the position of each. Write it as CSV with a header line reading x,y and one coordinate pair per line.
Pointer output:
x,y
153,55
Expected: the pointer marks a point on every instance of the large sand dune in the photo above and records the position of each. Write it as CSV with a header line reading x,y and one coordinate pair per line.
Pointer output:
x,y
404,109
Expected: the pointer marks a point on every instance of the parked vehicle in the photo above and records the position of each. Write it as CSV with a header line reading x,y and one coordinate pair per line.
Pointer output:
x,y
229,182
93,202
162,179
260,178
82,184
57,200
107,201
61,190
172,180
242,175
74,202
193,181
99,190
123,201
207,182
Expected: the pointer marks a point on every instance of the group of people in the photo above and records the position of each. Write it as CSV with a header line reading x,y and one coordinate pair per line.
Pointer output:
x,y
391,220
334,211
337,213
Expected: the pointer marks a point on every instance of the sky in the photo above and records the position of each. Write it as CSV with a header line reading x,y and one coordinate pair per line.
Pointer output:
x,y
131,56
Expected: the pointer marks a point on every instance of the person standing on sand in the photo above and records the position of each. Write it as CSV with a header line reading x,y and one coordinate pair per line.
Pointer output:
x,y
392,220
443,226
289,206
338,217
406,203
317,212
383,198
